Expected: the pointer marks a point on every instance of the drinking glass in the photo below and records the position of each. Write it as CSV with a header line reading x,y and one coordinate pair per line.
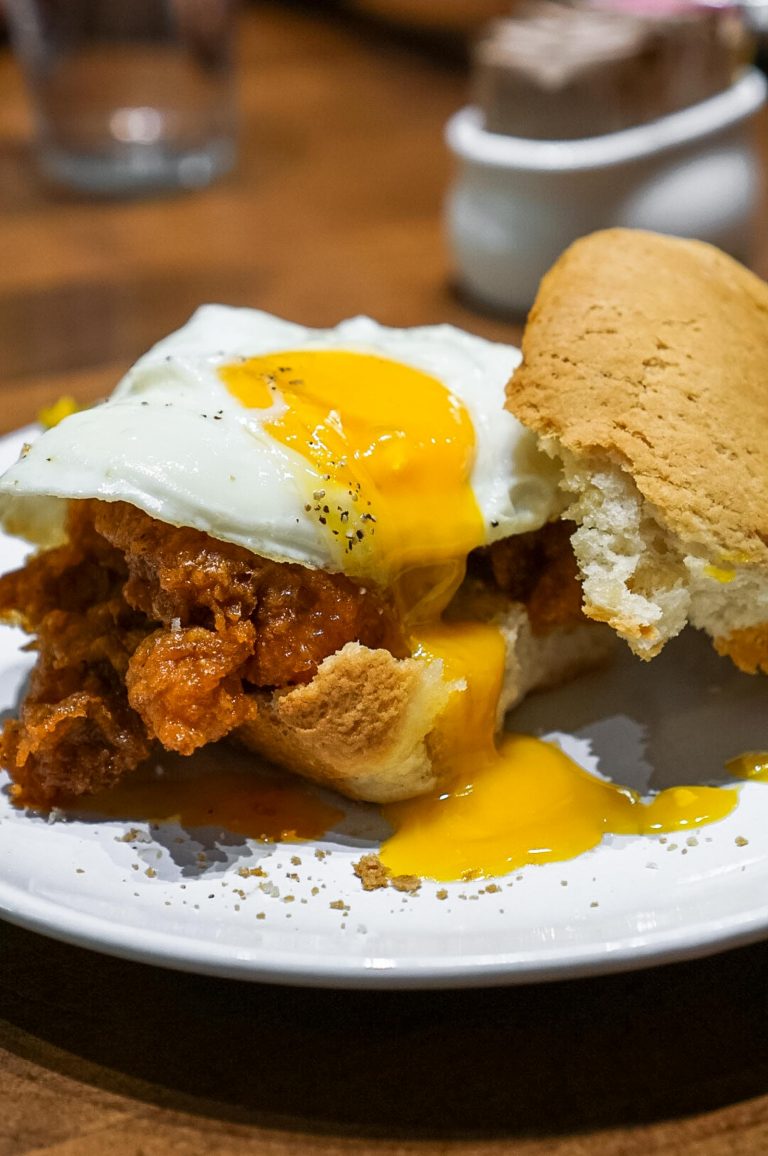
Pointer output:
x,y
129,95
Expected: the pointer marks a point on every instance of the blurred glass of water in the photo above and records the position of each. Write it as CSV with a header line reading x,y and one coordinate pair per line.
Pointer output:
x,y
129,95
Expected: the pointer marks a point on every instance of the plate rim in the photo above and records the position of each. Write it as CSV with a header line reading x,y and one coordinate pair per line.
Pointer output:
x,y
355,971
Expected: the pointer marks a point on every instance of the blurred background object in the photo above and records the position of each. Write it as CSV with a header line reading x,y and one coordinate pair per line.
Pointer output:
x,y
756,16
461,17
129,96
556,71
635,113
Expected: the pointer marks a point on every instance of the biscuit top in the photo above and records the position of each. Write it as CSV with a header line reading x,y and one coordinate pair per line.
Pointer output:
x,y
652,352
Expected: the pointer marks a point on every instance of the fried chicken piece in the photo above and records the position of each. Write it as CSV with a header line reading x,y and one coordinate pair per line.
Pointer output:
x,y
538,568
168,663
75,734
148,632
153,633
83,573
301,616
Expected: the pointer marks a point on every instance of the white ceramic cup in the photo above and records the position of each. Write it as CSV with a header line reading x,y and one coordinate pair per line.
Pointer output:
x,y
517,203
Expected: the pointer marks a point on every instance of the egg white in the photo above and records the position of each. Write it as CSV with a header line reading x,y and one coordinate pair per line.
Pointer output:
x,y
173,441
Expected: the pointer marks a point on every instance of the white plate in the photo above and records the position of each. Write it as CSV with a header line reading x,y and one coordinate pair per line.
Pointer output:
x,y
629,903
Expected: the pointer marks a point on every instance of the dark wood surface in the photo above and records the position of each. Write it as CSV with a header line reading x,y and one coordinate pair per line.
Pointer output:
x,y
334,210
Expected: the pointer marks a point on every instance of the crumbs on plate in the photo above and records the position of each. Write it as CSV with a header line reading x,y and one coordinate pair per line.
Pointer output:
x,y
373,875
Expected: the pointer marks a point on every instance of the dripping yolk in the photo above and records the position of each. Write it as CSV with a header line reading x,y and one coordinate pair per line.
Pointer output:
x,y
388,451
523,801
388,454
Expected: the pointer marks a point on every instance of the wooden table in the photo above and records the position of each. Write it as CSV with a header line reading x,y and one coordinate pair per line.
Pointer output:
x,y
334,210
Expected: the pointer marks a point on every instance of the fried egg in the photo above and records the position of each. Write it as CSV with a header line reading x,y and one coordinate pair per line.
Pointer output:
x,y
360,449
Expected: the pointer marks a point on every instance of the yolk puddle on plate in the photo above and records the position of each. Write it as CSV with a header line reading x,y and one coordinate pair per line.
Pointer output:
x,y
751,765
241,803
520,802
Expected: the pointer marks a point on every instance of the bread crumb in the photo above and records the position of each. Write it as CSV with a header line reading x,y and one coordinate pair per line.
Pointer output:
x,y
692,841
410,883
371,872
443,894
245,872
296,860
150,872
319,854
740,841
129,836
338,905
261,915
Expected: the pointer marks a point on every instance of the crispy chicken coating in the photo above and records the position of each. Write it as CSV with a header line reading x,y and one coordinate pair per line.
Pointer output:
x,y
538,568
148,632
168,663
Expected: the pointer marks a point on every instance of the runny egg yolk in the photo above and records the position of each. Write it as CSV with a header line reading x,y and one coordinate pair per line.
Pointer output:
x,y
519,801
389,454
388,451
750,765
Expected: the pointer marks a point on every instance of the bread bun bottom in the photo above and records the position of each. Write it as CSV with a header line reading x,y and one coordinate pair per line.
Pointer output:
x,y
366,723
